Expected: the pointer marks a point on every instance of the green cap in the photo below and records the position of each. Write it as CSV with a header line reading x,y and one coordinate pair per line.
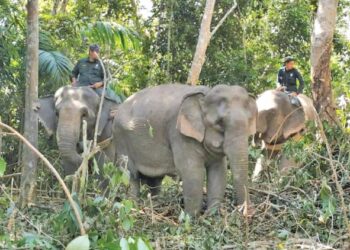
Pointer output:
x,y
288,59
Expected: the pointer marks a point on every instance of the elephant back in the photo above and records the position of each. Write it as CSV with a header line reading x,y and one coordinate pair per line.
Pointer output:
x,y
308,107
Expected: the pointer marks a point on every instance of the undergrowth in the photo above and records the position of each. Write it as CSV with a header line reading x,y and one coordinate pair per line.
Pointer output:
x,y
300,207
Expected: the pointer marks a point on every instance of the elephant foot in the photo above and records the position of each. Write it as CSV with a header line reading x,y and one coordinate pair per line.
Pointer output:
x,y
214,207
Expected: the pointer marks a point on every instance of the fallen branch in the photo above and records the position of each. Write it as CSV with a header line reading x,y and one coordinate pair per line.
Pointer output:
x,y
10,175
53,170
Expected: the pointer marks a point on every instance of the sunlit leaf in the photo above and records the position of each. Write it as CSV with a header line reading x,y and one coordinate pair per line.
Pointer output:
x,y
112,35
124,244
2,166
54,66
141,245
79,243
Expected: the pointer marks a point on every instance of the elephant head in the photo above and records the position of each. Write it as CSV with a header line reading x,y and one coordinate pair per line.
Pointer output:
x,y
64,112
221,119
278,119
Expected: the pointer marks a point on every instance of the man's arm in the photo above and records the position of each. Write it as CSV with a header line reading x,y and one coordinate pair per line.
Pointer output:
x,y
280,82
75,73
301,82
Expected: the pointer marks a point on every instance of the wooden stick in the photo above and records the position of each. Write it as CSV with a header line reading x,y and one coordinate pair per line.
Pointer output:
x,y
53,170
101,103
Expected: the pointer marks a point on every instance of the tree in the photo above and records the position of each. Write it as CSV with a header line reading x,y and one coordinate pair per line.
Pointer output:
x,y
205,34
203,42
321,51
29,159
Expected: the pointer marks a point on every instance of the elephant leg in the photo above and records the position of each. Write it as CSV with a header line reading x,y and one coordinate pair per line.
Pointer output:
x,y
216,182
190,165
154,184
134,189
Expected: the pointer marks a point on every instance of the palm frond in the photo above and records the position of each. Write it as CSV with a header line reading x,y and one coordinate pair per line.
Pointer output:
x,y
54,66
112,35
45,41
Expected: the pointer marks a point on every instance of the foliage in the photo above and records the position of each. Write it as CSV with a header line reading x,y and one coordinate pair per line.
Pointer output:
x,y
247,50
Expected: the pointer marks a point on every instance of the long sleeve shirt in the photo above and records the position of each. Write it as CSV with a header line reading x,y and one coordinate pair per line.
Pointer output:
x,y
288,79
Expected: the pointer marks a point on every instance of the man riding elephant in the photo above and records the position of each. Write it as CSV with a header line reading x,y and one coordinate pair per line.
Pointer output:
x,y
89,72
287,80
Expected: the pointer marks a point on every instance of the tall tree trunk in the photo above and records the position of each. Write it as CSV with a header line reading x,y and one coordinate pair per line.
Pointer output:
x,y
321,51
29,160
0,140
56,3
64,6
170,8
136,16
202,44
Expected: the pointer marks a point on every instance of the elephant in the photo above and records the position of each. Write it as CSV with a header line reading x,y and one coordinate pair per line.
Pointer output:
x,y
177,129
279,120
63,114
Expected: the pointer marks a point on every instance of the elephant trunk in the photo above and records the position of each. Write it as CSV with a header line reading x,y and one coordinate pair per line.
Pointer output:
x,y
68,133
236,149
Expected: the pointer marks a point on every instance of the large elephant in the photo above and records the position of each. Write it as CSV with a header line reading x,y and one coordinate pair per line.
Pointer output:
x,y
279,120
64,112
186,130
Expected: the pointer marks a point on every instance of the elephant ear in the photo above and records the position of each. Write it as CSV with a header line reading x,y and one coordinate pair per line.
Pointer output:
x,y
47,114
189,120
107,107
252,115
294,123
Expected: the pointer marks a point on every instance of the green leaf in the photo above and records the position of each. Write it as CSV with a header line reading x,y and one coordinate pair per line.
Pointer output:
x,y
54,66
2,166
112,35
124,244
141,245
79,243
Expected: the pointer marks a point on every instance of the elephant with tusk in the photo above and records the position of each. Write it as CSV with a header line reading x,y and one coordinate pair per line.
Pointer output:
x,y
187,130
278,121
64,113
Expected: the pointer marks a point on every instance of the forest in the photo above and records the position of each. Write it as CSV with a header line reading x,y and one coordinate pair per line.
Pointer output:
x,y
175,124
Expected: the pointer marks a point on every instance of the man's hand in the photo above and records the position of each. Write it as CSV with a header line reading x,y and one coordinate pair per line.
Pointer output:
x,y
294,94
97,85
74,81
281,88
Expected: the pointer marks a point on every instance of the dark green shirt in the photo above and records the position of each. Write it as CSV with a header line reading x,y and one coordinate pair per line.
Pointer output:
x,y
288,79
88,72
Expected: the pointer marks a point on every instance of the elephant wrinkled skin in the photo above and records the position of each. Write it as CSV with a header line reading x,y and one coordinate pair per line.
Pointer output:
x,y
63,114
187,130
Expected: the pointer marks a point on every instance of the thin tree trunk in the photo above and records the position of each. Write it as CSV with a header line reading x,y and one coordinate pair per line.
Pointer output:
x,y
64,6
0,140
29,159
170,24
321,51
56,3
202,44
136,16
204,38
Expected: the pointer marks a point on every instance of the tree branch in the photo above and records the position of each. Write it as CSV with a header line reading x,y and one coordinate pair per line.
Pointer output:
x,y
234,6
53,170
101,103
